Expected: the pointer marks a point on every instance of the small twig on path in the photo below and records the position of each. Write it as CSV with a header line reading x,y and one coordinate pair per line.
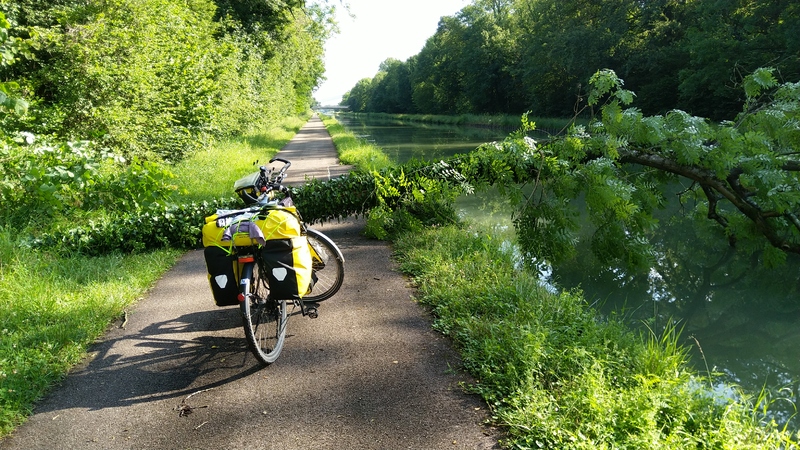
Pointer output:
x,y
184,409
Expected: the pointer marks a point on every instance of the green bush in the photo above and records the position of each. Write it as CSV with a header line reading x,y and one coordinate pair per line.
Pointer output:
x,y
141,76
41,181
172,226
156,79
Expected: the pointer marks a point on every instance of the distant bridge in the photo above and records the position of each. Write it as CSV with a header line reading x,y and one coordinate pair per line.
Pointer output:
x,y
332,108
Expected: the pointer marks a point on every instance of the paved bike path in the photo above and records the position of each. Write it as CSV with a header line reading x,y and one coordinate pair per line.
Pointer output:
x,y
369,373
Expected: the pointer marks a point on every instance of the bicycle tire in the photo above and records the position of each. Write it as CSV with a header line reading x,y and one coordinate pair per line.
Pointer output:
x,y
263,318
328,266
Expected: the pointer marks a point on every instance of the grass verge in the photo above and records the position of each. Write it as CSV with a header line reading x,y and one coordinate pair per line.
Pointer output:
x,y
353,150
210,173
556,375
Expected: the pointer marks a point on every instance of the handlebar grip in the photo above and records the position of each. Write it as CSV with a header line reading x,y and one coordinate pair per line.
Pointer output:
x,y
281,160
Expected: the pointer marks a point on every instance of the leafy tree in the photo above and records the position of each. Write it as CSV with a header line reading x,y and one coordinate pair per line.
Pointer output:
x,y
726,40
651,53
438,78
563,44
358,97
742,174
140,74
487,57
511,56
392,88
258,15
158,78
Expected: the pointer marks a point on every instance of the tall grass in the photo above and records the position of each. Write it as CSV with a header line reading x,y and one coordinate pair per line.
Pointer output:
x,y
558,376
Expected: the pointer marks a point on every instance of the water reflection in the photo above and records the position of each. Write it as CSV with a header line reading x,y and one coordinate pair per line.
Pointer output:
x,y
405,141
739,319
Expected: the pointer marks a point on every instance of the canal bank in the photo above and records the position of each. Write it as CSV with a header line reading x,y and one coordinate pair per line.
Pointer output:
x,y
738,321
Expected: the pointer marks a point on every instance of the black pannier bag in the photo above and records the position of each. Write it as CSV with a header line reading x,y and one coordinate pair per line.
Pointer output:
x,y
222,276
279,265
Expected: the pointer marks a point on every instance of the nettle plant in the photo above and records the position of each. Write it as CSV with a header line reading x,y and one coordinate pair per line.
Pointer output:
x,y
41,179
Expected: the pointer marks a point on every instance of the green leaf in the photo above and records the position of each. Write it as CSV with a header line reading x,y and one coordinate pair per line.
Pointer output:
x,y
758,81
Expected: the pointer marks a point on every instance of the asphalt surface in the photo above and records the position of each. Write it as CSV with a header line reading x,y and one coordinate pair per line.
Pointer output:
x,y
369,373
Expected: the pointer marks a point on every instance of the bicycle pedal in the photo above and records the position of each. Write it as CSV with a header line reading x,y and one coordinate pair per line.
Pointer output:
x,y
311,310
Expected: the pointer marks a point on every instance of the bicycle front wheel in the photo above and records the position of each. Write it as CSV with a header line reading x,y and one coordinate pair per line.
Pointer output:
x,y
327,264
264,318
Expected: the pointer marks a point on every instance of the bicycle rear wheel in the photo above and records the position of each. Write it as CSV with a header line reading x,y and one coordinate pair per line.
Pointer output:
x,y
328,266
264,318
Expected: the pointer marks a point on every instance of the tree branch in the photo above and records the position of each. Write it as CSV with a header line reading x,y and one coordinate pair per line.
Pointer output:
x,y
791,166
712,206
729,189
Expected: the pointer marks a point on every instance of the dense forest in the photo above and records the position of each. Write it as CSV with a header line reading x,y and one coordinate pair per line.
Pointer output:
x,y
156,76
513,56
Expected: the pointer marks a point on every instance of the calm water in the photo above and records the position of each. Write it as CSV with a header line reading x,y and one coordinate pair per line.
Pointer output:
x,y
403,142
738,319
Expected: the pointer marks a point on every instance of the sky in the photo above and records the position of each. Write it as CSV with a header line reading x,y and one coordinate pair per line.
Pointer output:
x,y
381,29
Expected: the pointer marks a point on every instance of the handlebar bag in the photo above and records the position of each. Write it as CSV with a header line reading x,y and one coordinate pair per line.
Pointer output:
x,y
245,188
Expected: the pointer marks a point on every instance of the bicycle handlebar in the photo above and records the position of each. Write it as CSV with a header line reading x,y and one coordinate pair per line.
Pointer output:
x,y
271,184
281,160
282,172
267,183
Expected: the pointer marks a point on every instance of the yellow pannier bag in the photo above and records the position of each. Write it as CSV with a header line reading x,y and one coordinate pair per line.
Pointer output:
x,y
285,256
248,230
287,263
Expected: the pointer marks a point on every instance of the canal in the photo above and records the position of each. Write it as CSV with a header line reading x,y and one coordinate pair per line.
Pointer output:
x,y
739,321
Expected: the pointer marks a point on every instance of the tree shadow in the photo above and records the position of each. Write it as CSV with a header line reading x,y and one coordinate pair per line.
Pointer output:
x,y
168,359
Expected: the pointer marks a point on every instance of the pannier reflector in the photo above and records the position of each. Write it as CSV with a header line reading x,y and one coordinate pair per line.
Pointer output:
x,y
222,280
280,273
